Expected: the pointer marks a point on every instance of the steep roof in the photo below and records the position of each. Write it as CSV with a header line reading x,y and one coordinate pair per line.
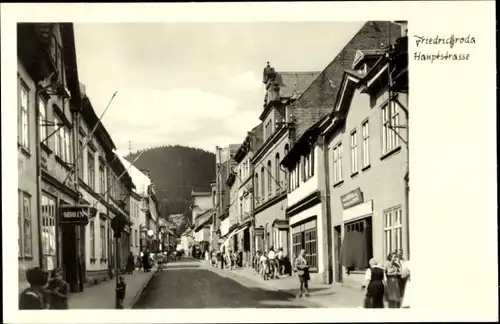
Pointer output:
x,y
293,84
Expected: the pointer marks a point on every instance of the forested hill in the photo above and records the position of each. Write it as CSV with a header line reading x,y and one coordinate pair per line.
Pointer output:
x,y
176,170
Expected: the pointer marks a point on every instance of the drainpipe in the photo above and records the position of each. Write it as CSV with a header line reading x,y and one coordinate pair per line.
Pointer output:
x,y
252,216
39,179
329,228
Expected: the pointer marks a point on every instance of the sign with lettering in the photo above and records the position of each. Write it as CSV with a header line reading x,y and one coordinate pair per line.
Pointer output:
x,y
352,198
75,214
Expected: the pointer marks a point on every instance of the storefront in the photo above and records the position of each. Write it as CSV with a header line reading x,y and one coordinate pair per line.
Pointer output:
x,y
62,240
357,243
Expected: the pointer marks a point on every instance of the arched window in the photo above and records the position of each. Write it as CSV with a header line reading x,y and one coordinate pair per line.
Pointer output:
x,y
262,183
277,172
269,178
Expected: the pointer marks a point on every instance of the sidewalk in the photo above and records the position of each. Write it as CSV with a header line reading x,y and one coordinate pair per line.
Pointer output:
x,y
328,296
102,296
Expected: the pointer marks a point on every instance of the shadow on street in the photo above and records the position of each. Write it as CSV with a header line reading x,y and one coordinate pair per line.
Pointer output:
x,y
185,286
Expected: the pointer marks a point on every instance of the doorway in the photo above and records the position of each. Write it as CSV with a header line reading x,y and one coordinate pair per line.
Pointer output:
x,y
337,245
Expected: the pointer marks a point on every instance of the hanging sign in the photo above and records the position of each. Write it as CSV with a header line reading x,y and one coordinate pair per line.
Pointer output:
x,y
75,214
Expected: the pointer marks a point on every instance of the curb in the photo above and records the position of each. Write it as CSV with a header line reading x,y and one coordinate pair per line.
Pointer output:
x,y
139,292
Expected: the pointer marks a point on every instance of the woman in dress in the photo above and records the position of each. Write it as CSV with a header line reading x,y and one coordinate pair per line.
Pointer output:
x,y
393,274
374,287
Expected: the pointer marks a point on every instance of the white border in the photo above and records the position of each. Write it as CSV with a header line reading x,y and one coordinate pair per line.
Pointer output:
x,y
453,160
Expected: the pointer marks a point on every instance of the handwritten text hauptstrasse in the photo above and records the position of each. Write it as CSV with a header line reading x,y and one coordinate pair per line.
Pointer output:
x,y
443,54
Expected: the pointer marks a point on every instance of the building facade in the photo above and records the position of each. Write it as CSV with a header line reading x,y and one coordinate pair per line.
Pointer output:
x,y
93,175
271,228
369,204
306,209
244,173
48,105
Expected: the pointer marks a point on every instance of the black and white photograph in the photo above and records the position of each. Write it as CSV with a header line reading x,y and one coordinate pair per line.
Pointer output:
x,y
187,165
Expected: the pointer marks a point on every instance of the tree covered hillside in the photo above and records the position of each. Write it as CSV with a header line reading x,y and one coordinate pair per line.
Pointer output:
x,y
176,170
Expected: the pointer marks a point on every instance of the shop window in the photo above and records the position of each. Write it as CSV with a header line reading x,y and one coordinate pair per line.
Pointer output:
x,y
49,231
393,230
304,236
357,245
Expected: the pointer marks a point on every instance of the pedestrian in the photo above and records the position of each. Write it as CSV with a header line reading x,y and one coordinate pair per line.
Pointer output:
x,y
160,261
130,263
121,288
35,296
407,292
393,274
139,261
256,262
405,272
58,290
302,269
374,286
145,260
264,266
281,262
273,263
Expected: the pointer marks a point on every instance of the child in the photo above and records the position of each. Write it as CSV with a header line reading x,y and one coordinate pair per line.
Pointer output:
x,y
34,297
59,290
120,291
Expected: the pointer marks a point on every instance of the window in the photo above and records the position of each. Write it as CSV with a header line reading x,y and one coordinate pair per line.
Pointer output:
x,y
294,177
277,172
390,120
354,153
308,169
337,163
102,234
24,116
19,225
62,141
256,189
269,178
304,236
262,183
366,144
81,165
136,238
49,231
287,148
24,242
358,242
393,230
102,178
42,117
91,169
92,240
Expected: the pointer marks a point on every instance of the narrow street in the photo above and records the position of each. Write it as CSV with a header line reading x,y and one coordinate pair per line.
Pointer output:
x,y
186,284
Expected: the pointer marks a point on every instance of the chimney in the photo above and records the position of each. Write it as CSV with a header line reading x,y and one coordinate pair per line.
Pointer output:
x,y
404,27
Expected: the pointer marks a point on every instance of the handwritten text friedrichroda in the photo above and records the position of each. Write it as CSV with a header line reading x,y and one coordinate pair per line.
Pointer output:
x,y
442,55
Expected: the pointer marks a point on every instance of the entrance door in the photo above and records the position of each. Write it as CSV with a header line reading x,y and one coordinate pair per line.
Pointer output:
x,y
69,256
337,237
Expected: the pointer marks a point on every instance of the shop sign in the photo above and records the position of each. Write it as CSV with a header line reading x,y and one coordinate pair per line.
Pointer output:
x,y
76,214
259,231
352,198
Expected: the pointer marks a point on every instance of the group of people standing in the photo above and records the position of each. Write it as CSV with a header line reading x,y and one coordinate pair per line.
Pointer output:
x,y
227,259
270,264
389,282
46,291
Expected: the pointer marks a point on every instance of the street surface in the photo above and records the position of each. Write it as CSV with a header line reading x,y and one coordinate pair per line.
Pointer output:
x,y
186,284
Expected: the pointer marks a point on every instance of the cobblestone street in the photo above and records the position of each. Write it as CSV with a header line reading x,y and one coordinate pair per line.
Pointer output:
x,y
188,284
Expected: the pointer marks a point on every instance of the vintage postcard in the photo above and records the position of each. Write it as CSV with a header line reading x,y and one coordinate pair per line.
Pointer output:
x,y
249,162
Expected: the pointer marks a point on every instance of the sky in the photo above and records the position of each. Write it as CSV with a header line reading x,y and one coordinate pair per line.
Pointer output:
x,y
193,84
